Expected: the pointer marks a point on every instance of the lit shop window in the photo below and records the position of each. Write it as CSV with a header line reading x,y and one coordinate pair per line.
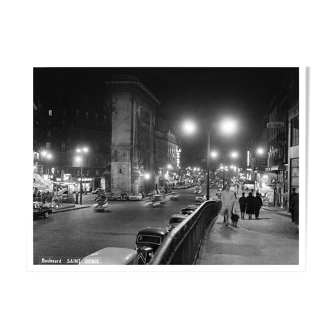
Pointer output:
x,y
50,112
48,145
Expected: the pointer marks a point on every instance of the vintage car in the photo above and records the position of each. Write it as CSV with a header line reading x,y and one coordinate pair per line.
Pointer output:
x,y
111,196
123,197
200,198
186,211
157,200
148,241
135,197
98,191
40,210
174,196
175,220
111,256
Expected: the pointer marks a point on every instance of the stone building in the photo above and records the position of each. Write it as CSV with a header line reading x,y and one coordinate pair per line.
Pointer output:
x,y
133,110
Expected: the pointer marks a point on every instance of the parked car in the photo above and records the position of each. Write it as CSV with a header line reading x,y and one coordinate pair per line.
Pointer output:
x,y
186,211
112,197
175,220
135,197
98,191
200,198
111,256
123,197
148,241
40,210
192,206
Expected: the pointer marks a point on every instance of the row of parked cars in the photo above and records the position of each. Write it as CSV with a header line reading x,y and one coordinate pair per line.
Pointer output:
x,y
147,241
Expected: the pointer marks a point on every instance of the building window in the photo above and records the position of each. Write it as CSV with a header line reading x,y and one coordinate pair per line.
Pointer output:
x,y
48,134
63,112
97,171
50,112
105,161
87,172
87,115
96,117
63,122
48,145
63,146
105,118
97,160
295,131
77,113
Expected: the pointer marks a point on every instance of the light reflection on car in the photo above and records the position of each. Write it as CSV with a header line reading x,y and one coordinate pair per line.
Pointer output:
x,y
135,197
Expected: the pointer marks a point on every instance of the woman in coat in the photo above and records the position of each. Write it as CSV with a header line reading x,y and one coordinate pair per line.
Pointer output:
x,y
258,204
227,202
250,205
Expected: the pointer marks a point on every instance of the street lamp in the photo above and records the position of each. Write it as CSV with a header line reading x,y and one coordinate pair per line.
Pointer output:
x,y
80,158
147,177
228,126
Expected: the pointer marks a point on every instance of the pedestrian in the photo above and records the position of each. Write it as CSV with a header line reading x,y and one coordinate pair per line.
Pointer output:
x,y
258,205
243,203
295,208
227,202
250,209
285,200
242,188
291,209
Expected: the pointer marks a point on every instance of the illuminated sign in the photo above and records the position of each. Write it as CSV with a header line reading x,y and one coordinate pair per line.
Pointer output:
x,y
248,158
276,124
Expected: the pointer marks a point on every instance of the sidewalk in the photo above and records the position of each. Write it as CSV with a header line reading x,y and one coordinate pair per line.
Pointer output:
x,y
228,245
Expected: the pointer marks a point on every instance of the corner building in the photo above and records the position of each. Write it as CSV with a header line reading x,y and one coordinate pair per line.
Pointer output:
x,y
133,112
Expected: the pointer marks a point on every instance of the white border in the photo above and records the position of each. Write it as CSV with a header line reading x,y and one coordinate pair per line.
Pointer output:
x,y
31,63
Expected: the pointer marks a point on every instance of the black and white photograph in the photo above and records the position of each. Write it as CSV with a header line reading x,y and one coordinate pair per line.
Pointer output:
x,y
166,166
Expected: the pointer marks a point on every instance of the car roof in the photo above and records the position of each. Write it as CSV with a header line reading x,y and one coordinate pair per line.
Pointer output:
x,y
178,215
152,231
112,256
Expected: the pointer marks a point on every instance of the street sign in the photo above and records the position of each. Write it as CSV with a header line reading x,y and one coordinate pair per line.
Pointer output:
x,y
276,124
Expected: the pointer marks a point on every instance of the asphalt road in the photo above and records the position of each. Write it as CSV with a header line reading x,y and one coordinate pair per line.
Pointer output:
x,y
78,233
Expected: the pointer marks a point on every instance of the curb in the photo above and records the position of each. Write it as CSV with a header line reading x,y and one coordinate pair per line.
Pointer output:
x,y
71,209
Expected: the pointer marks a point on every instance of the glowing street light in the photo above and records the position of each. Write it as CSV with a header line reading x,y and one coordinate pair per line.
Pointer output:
x,y
228,126
260,151
214,154
80,159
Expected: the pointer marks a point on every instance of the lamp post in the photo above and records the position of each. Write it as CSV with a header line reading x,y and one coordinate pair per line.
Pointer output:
x,y
81,151
147,177
228,126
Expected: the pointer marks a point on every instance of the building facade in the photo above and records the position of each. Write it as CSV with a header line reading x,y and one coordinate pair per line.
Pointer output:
x,y
133,109
272,148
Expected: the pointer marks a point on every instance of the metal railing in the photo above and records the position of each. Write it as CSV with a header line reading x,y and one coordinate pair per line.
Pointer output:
x,y
181,247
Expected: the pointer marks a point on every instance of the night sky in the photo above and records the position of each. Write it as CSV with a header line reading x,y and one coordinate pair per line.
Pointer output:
x,y
204,95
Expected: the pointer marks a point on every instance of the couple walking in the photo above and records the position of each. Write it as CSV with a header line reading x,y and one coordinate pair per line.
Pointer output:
x,y
250,205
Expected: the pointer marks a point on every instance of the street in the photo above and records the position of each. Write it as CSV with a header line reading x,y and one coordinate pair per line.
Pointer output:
x,y
78,233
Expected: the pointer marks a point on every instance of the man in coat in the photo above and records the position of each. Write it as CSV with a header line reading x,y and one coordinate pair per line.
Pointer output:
x,y
258,204
250,205
243,203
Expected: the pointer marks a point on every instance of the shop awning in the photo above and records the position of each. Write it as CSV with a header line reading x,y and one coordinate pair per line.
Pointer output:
x,y
278,168
40,183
